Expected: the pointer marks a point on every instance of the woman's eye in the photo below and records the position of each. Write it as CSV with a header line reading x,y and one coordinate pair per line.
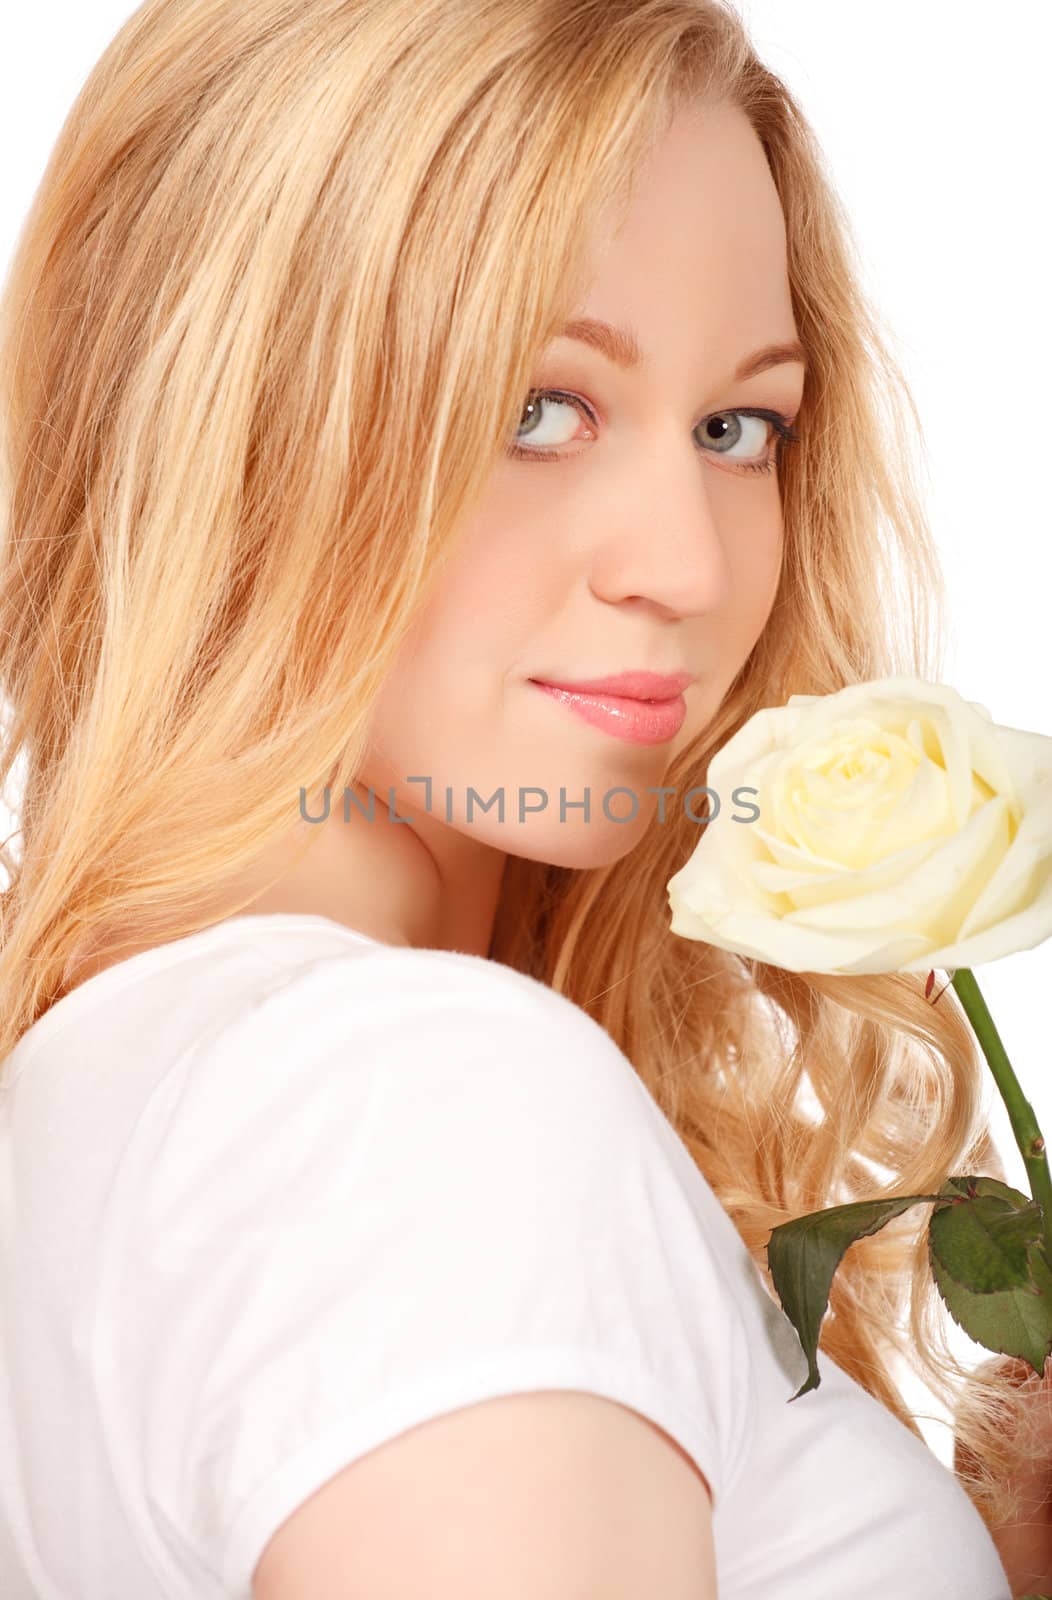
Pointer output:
x,y
539,429
725,430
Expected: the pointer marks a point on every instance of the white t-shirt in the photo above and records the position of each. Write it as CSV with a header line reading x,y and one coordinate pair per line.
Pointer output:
x,y
273,1193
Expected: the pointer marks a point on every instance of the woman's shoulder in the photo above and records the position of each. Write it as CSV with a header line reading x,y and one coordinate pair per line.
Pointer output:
x,y
191,992
431,1180
244,1022
315,950
327,985
336,1009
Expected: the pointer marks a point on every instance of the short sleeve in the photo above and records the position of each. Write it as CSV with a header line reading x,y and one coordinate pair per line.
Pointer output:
x,y
399,1183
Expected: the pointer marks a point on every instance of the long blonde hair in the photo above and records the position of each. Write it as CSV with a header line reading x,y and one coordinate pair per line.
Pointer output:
x,y
262,226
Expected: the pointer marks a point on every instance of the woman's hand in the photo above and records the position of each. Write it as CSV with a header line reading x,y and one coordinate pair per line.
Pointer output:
x,y
1025,1544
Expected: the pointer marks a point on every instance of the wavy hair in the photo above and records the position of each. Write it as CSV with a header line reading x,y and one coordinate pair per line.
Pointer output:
x,y
261,223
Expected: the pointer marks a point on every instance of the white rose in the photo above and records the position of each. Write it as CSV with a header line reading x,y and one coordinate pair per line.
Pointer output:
x,y
900,829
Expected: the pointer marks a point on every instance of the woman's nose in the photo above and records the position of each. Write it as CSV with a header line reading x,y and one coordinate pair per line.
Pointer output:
x,y
665,548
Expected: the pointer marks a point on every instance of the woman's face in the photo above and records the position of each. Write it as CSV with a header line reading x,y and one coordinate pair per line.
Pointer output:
x,y
650,544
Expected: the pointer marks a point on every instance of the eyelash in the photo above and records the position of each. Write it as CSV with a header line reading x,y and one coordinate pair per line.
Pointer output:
x,y
782,426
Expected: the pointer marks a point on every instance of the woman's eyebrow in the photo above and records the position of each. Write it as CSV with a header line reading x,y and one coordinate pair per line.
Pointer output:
x,y
621,346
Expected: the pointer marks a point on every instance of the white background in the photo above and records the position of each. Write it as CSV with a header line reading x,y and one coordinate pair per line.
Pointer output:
x,y
933,119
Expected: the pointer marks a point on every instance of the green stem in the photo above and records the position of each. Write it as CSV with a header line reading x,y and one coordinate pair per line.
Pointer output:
x,y
1028,1135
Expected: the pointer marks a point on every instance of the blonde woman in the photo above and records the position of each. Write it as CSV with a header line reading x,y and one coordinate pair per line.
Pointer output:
x,y
385,1191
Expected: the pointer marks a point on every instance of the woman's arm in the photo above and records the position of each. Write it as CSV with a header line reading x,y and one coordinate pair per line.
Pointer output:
x,y
1026,1555
1025,1544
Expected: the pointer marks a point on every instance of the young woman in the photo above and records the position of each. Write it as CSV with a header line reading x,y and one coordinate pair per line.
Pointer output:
x,y
385,1192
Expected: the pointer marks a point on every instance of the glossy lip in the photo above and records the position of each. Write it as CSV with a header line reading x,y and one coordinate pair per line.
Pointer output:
x,y
640,686
624,716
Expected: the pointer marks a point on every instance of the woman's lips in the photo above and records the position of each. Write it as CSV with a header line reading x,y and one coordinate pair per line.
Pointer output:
x,y
638,721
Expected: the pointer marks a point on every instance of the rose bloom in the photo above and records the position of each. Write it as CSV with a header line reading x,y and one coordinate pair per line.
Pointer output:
x,y
900,829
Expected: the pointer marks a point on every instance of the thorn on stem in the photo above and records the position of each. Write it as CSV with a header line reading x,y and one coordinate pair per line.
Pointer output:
x,y
929,984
